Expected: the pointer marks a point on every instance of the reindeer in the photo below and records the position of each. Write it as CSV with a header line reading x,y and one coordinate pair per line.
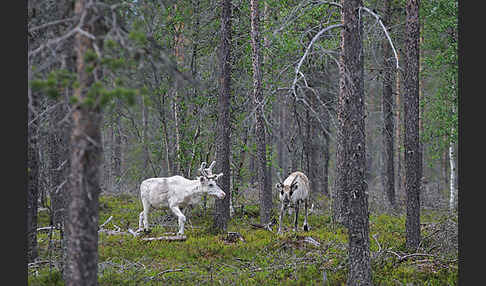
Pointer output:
x,y
177,191
294,190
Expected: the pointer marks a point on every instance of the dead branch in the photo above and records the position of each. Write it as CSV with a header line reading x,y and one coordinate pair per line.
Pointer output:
x,y
108,220
46,228
378,18
267,226
164,272
114,232
169,238
312,241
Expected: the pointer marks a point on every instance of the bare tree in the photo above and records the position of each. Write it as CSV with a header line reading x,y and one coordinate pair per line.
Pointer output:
x,y
411,113
222,213
264,188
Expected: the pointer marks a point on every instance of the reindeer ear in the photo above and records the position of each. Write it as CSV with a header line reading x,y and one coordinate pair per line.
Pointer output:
x,y
201,179
278,185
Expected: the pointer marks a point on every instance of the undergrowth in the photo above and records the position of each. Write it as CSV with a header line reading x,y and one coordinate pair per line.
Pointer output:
x,y
262,258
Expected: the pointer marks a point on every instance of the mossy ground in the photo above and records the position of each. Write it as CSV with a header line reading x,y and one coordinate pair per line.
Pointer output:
x,y
262,259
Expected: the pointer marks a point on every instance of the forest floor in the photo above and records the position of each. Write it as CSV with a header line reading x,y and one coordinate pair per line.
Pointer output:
x,y
257,256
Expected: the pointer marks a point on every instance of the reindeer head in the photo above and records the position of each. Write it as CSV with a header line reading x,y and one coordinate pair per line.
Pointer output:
x,y
286,191
208,181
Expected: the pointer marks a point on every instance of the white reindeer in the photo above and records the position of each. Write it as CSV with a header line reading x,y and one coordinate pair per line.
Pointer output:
x,y
294,190
177,191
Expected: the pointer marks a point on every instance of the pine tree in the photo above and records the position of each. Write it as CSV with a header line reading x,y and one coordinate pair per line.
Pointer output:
x,y
411,113
222,214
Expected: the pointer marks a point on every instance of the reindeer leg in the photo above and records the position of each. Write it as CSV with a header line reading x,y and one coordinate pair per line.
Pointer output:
x,y
306,204
140,220
280,217
144,216
181,219
296,215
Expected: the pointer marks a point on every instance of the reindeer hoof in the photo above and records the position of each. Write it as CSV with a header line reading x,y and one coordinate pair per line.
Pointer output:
x,y
147,231
306,228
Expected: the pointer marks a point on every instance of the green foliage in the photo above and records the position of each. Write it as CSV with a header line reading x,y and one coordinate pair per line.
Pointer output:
x,y
440,63
54,83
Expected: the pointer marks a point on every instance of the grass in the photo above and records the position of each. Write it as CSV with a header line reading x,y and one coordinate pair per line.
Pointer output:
x,y
262,259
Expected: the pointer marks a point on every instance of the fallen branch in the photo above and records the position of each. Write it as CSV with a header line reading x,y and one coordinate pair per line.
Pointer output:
x,y
46,228
267,226
114,232
164,272
312,241
108,220
169,238
404,257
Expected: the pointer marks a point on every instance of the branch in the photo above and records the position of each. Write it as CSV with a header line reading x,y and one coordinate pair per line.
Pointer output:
x,y
378,18
169,238
297,69
165,271
33,29
107,221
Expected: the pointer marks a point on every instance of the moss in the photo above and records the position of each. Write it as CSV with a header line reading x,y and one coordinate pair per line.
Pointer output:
x,y
263,259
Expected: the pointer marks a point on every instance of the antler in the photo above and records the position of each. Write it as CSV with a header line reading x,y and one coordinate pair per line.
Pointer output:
x,y
202,170
208,172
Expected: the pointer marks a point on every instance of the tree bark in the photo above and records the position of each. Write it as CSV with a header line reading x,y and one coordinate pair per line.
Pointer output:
x,y
453,180
179,108
399,159
351,144
33,174
325,154
117,149
263,182
222,213
86,153
387,113
58,162
411,113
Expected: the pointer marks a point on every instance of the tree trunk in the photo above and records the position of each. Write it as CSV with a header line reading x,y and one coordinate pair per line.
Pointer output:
x,y
325,154
399,159
411,113
387,109
265,192
311,152
222,213
453,180
86,153
33,174
117,154
58,162
351,144
179,109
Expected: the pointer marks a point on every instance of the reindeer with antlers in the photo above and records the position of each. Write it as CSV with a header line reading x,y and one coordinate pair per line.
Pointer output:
x,y
294,190
177,191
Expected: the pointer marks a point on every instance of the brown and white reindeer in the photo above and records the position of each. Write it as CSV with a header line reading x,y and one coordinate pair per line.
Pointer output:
x,y
175,192
293,191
